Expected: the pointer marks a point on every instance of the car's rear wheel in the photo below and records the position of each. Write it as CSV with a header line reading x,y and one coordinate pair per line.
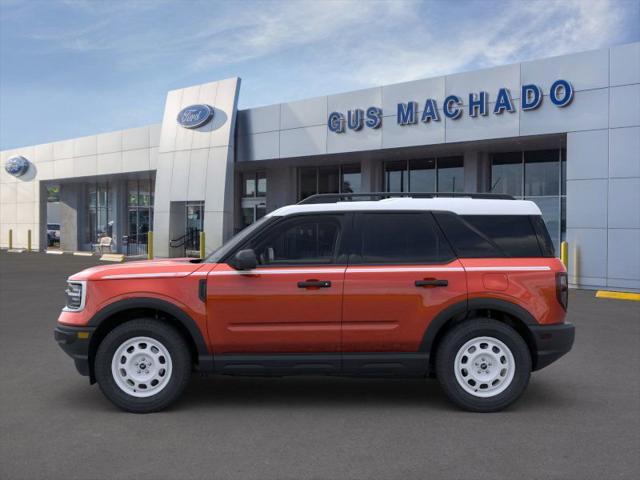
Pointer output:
x,y
483,365
143,365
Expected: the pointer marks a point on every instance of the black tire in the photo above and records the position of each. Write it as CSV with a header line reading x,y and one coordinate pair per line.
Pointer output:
x,y
173,342
455,339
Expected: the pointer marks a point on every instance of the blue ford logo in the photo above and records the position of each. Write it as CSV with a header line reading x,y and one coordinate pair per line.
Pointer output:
x,y
17,166
195,116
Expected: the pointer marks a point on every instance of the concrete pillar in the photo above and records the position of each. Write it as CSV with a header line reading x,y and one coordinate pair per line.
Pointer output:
x,y
69,210
371,175
476,172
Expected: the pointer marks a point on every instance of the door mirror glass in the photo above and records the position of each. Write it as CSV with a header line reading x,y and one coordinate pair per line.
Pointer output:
x,y
244,260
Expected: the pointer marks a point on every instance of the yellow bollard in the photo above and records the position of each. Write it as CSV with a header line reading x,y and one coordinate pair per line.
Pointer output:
x,y
150,245
29,240
564,254
10,239
201,244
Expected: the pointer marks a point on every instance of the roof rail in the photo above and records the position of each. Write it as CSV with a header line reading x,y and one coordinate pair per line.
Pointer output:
x,y
372,196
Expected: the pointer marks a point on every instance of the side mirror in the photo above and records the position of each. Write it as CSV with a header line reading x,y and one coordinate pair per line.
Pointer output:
x,y
244,260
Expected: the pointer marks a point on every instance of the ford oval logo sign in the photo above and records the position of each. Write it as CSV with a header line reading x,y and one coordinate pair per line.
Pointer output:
x,y
195,116
17,166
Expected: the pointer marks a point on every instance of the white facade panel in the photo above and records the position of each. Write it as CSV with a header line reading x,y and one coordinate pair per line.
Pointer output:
x,y
624,152
63,168
85,146
394,135
259,146
197,174
135,138
624,203
588,111
180,176
63,149
586,253
587,154
259,120
585,71
300,142
489,80
468,128
587,203
624,254
625,64
85,166
135,160
625,106
304,113
43,153
417,90
357,99
110,142
109,163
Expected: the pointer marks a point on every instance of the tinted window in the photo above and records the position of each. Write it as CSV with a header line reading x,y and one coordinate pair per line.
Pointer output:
x,y
467,241
307,240
401,238
546,244
513,234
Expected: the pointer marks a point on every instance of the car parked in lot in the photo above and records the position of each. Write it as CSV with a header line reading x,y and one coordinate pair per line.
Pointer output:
x,y
465,288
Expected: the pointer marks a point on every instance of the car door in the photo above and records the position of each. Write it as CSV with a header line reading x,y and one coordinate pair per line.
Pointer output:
x,y
290,303
401,275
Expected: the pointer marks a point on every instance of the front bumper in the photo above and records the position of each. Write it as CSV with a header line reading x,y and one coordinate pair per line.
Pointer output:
x,y
75,343
551,342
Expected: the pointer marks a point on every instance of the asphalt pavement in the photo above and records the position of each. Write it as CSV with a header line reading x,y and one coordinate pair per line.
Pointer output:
x,y
579,418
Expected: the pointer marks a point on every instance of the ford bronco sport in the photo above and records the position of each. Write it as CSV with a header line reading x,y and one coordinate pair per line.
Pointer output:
x,y
465,288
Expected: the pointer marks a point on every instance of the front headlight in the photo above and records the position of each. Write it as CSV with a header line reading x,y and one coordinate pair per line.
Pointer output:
x,y
76,293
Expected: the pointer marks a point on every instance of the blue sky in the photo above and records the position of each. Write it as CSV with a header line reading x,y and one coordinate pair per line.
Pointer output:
x,y
80,67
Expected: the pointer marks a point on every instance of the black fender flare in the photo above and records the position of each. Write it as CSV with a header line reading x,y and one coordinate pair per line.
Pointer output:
x,y
462,308
204,356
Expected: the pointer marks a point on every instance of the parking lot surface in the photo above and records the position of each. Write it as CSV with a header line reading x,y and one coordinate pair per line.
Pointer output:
x,y
579,418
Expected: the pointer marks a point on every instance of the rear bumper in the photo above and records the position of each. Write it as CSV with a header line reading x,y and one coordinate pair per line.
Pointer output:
x,y
551,342
75,343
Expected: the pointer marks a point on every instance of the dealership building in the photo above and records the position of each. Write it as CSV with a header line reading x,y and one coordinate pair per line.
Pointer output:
x,y
563,132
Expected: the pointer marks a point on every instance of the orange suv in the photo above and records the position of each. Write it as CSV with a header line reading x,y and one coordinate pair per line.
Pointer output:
x,y
465,288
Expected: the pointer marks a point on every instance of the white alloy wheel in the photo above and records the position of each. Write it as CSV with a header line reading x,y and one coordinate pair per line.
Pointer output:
x,y
141,367
484,367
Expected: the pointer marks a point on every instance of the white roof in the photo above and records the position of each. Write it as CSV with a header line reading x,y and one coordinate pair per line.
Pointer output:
x,y
461,206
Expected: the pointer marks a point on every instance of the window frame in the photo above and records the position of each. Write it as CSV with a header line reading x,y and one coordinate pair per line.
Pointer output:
x,y
355,258
340,255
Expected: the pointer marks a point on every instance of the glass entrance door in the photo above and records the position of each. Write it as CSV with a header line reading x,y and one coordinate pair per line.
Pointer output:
x,y
194,225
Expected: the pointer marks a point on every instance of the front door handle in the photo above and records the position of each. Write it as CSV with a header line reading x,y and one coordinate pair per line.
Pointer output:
x,y
314,284
432,282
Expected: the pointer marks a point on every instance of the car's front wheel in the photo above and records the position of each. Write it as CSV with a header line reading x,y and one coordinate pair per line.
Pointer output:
x,y
483,365
143,365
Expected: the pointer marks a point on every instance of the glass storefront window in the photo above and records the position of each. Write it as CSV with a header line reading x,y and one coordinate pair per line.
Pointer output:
x,y
394,176
422,175
451,174
506,173
329,179
351,179
140,215
425,175
254,184
100,212
542,173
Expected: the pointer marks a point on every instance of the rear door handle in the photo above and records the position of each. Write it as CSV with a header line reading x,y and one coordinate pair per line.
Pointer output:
x,y
432,282
314,284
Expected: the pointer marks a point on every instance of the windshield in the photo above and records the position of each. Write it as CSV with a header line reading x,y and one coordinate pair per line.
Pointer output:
x,y
236,240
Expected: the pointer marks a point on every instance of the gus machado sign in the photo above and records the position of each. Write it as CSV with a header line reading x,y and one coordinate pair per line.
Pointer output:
x,y
560,95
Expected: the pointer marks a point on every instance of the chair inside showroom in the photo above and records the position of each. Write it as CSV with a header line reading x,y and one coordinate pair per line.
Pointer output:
x,y
104,243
